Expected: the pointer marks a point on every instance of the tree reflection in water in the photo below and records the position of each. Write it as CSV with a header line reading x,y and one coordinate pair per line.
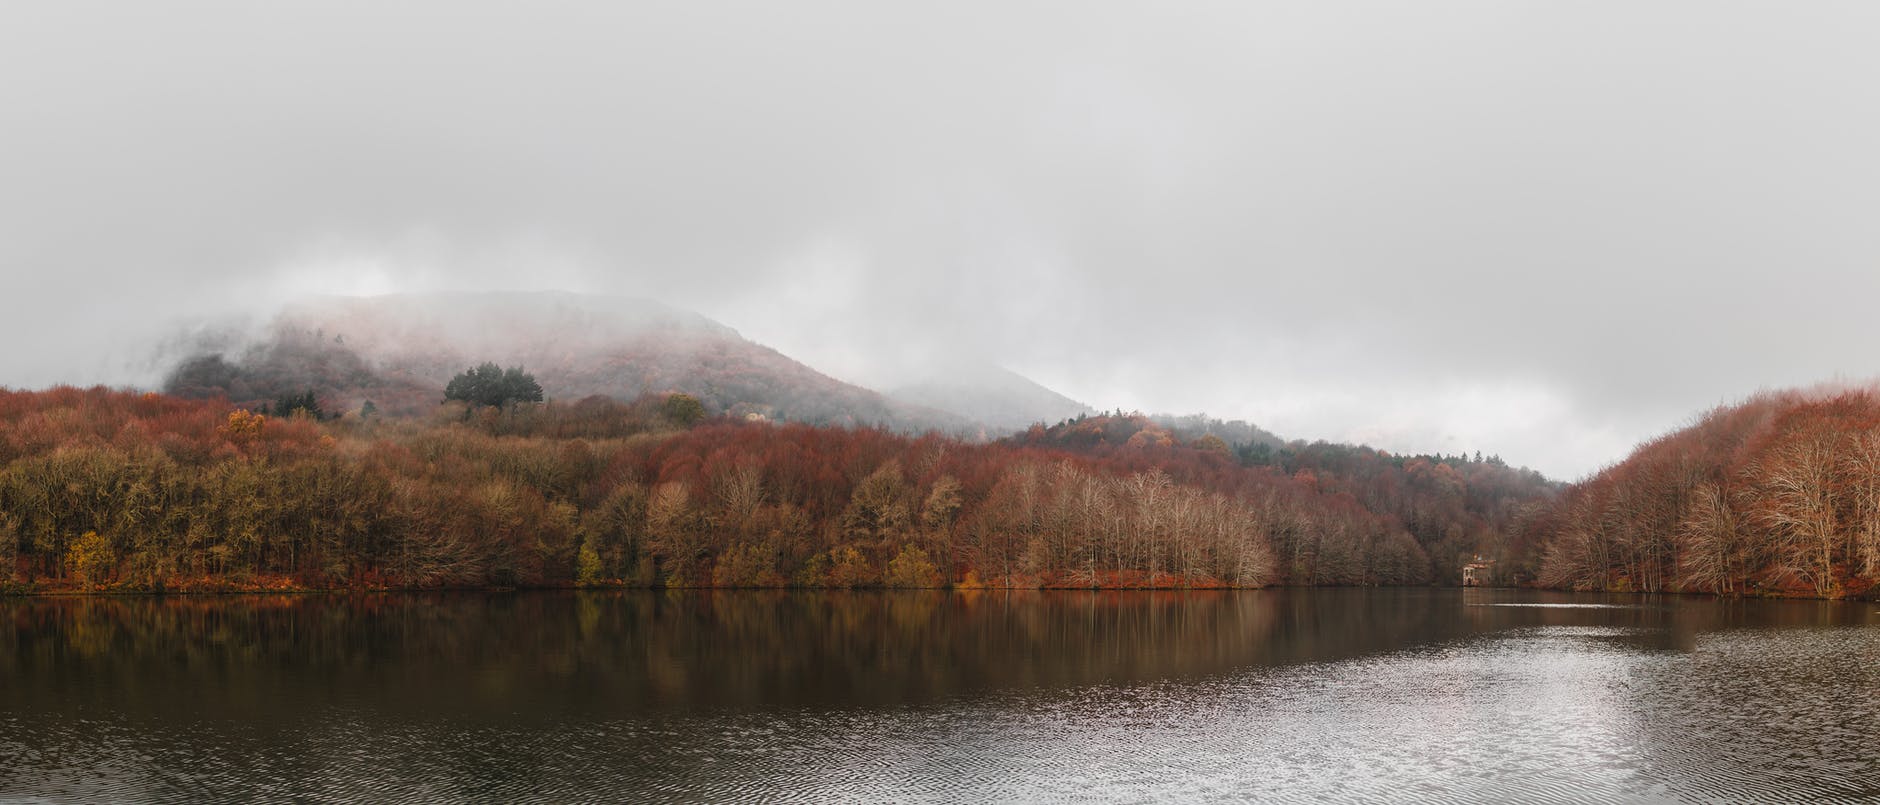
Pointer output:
x,y
549,695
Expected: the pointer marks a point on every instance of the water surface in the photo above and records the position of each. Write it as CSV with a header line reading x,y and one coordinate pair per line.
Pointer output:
x,y
1332,695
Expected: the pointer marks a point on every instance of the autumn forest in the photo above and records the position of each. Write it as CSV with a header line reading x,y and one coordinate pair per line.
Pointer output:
x,y
116,490
105,489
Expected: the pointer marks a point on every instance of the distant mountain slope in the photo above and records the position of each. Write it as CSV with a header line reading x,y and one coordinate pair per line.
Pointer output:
x,y
400,350
1237,433
1003,400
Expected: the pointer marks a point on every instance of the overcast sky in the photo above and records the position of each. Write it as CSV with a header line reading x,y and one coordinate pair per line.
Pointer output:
x,y
1545,230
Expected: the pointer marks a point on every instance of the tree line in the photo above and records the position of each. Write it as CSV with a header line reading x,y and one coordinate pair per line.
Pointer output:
x,y
113,489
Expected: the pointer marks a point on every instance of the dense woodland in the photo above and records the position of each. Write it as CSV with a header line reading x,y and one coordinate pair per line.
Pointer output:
x,y
1454,508
103,489
1777,495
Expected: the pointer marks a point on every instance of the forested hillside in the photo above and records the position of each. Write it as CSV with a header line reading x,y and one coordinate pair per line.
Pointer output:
x,y
1778,494
108,489
1454,508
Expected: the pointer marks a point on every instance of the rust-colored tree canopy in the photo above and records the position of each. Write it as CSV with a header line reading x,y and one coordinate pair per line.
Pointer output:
x,y
1777,495
103,489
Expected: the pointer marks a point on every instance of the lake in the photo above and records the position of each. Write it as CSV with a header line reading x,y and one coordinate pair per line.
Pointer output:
x,y
1341,695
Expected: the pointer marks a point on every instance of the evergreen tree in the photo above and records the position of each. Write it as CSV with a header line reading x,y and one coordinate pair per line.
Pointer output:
x,y
289,403
683,410
488,384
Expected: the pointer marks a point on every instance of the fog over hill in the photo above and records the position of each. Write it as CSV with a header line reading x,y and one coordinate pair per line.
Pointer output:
x,y
999,398
400,350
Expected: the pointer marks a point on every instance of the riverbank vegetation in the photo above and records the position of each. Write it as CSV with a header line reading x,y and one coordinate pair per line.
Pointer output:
x,y
113,490
1778,495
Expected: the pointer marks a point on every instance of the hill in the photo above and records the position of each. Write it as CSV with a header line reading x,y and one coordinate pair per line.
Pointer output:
x,y
399,351
1451,508
1778,494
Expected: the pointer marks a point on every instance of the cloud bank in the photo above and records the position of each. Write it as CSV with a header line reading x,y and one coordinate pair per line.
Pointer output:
x,y
1540,230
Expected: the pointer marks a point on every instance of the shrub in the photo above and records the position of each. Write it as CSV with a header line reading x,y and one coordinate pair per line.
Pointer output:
x,y
911,568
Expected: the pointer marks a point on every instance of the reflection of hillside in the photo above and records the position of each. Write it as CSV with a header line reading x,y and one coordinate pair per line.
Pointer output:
x,y
610,655
541,696
619,653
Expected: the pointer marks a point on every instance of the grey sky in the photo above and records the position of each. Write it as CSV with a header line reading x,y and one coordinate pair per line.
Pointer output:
x,y
1546,230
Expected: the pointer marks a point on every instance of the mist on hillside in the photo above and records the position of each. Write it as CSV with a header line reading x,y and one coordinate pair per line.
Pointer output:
x,y
399,352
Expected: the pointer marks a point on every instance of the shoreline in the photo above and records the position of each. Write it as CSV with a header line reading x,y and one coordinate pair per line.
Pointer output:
x,y
29,591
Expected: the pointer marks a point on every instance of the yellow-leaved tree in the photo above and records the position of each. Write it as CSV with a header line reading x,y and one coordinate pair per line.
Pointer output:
x,y
91,559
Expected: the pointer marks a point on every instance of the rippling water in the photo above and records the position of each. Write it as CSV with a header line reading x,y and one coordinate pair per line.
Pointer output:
x,y
1325,695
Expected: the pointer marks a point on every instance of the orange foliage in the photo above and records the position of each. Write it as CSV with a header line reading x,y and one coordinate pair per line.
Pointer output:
x,y
1777,495
189,494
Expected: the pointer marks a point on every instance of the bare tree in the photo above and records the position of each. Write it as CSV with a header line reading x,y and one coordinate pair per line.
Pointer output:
x,y
1861,463
1711,551
1794,496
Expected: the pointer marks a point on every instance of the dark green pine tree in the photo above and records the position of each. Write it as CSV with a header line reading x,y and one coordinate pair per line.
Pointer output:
x,y
489,384
290,403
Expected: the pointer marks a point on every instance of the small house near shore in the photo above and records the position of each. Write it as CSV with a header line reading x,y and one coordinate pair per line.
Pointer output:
x,y
1476,573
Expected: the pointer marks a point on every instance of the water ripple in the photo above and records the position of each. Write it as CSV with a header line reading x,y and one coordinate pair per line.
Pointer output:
x,y
1527,710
